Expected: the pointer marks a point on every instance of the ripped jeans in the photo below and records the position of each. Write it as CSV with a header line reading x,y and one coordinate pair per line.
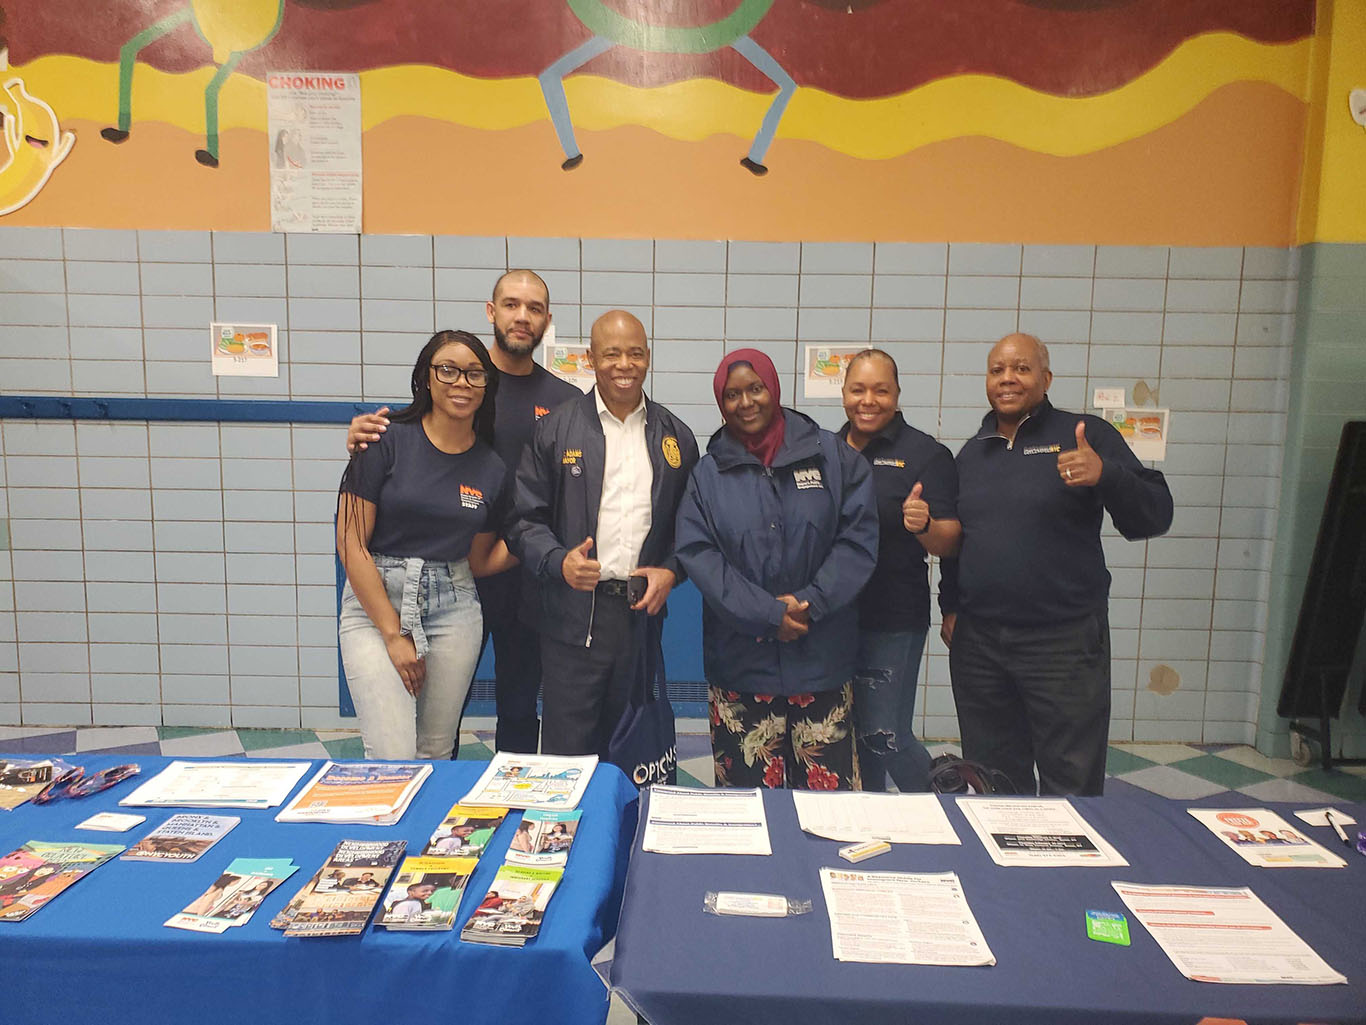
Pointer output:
x,y
884,706
438,606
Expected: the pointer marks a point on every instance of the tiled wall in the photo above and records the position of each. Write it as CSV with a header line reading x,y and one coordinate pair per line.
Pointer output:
x,y
182,573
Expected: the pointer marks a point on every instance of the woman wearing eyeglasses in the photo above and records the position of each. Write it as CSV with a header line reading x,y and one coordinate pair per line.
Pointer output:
x,y
416,520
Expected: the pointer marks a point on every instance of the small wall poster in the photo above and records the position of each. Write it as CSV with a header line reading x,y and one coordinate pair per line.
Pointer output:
x,y
824,369
244,350
315,151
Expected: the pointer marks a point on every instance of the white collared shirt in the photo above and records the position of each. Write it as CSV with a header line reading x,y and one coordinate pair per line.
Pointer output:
x,y
624,514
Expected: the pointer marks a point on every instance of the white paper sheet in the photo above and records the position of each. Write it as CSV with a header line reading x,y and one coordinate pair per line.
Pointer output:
x,y
1214,934
533,781
896,818
1036,831
687,821
241,784
902,918
1264,839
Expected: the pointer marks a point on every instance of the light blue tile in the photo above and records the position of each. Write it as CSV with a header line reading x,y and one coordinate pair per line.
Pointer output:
x,y
177,279
138,627
264,630
397,315
984,258
908,325
119,696
746,323
174,344
1126,328
174,247
1131,261
1256,396
1059,261
542,254
1058,326
396,250
610,254
251,568
591,314
194,689
322,249
72,686
1196,361
266,690
181,658
708,323
978,325
564,290
104,310
318,632
1268,297
1236,645
1200,328
902,290
309,281
762,290
188,536
176,380
104,377
317,601
27,342
687,255
124,658
112,439
1239,615
183,440
967,358
118,535
1129,294
1179,553
325,314
1244,553
321,663
172,311
684,356
835,290
1266,329
31,243
261,474
1184,457
1270,262
1162,614
50,596
198,597
50,627
682,388
837,258
321,441
464,285
1253,461
205,628
320,476
330,347
109,567
911,258
688,290
266,600
1253,492
487,253
1208,395
184,473
243,279
454,314
1203,296
918,364
46,503
196,715
106,343
614,289
100,244
961,390
111,472
1259,523
190,567
1261,363
248,247
263,661
40,471
396,282
764,257
34,308
833,325
38,438
983,292
1055,293
1206,262
34,276
235,309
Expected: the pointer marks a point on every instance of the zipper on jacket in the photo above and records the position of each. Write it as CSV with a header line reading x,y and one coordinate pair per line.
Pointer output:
x,y
592,611
1010,442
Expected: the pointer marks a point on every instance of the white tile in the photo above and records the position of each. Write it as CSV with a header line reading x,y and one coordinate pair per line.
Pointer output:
x,y
203,745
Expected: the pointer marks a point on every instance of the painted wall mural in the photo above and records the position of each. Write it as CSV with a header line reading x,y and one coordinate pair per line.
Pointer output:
x,y
1172,121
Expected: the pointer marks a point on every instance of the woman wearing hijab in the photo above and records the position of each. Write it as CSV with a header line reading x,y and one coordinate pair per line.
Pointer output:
x,y
778,529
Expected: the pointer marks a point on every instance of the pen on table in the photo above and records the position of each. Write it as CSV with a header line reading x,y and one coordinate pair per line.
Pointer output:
x,y
1342,835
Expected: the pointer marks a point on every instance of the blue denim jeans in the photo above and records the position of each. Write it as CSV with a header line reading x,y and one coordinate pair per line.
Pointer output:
x,y
884,707
438,605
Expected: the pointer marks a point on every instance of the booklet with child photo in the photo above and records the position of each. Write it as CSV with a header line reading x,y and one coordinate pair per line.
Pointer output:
x,y
543,838
425,893
465,831
510,913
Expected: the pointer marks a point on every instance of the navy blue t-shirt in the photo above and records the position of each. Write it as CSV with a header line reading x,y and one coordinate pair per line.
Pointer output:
x,y
522,400
897,596
429,503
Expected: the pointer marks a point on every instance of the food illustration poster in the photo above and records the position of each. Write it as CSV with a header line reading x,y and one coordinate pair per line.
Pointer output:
x,y
825,367
244,350
571,363
1114,121
315,151
1144,429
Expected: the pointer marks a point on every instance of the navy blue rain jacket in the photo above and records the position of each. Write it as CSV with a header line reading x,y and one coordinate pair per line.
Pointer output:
x,y
807,526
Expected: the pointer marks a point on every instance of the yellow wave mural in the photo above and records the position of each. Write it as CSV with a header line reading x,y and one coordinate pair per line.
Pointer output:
x,y
959,107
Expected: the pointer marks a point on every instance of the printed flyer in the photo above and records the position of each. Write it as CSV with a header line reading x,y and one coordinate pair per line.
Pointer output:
x,y
315,151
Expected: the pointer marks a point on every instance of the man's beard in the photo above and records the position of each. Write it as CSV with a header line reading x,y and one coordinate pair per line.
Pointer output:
x,y
500,338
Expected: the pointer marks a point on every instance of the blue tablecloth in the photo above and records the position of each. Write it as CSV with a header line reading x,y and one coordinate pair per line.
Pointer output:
x,y
99,953
677,965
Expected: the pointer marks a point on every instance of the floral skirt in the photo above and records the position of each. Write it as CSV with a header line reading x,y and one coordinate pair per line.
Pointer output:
x,y
799,741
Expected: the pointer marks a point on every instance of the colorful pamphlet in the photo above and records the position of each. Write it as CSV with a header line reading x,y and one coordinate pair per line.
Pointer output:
x,y
21,778
426,892
342,895
1262,838
183,837
543,838
511,911
465,831
234,896
39,870
533,781
357,793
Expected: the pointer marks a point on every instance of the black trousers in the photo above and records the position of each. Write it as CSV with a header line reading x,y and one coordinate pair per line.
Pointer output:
x,y
585,687
1035,695
516,662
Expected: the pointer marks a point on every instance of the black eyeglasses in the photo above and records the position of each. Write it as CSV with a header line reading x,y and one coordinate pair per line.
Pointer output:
x,y
449,373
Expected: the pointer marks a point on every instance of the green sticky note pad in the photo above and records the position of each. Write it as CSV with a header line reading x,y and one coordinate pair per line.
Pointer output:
x,y
1107,927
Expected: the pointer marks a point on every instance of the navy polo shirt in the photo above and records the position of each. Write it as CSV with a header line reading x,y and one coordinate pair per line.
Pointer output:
x,y
897,596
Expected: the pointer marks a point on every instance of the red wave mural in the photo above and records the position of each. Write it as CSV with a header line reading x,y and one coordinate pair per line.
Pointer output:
x,y
1067,48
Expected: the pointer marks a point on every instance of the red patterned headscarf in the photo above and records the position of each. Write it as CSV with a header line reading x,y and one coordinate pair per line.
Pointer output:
x,y
764,445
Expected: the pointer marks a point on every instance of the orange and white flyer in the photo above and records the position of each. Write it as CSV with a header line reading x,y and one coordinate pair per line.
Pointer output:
x,y
1264,839
364,793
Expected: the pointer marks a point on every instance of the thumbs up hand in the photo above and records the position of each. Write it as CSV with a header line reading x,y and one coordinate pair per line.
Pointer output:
x,y
915,512
581,570
1080,468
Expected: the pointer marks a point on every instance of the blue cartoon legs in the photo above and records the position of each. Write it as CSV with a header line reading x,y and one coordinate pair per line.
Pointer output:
x,y
761,59
552,88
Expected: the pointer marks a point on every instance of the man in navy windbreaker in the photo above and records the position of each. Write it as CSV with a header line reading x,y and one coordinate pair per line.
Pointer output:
x,y
778,529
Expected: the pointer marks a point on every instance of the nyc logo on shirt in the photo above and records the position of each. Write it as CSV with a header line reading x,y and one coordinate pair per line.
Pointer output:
x,y
470,497
900,464
1042,450
541,411
809,478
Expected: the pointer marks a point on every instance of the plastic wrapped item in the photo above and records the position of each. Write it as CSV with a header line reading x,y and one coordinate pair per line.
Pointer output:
x,y
753,905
